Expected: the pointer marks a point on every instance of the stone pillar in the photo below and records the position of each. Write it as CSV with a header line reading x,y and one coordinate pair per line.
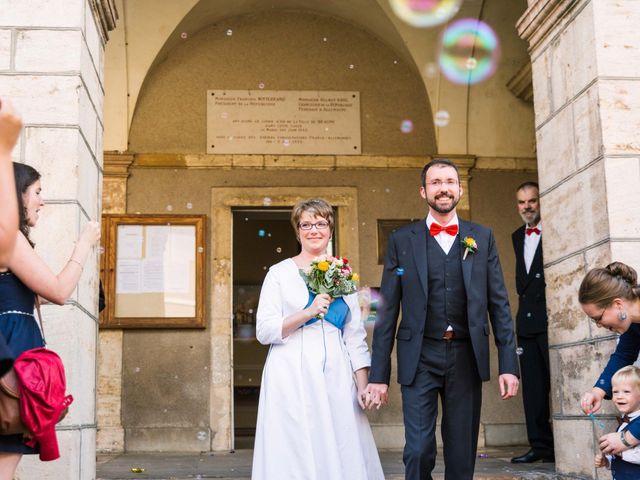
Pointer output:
x,y
586,65
110,437
51,68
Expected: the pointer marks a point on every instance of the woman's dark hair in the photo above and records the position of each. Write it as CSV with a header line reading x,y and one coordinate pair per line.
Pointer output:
x,y
25,177
602,285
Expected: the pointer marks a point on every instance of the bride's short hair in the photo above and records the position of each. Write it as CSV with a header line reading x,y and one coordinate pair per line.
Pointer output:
x,y
314,206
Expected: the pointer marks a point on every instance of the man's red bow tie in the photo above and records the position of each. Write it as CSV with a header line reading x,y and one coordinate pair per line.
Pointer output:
x,y
531,230
435,229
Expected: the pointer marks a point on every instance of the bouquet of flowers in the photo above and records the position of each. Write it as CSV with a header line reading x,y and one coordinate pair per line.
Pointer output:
x,y
330,275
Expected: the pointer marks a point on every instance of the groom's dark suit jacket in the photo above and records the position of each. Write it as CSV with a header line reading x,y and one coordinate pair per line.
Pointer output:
x,y
405,284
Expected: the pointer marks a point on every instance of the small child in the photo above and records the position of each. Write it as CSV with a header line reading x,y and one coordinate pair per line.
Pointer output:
x,y
626,397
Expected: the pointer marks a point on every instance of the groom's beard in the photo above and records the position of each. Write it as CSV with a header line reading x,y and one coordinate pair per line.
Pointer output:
x,y
433,203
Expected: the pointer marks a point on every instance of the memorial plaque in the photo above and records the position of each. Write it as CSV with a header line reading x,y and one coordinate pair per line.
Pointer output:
x,y
283,122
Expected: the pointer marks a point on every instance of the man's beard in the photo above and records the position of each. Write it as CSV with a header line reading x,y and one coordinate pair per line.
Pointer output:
x,y
530,217
439,209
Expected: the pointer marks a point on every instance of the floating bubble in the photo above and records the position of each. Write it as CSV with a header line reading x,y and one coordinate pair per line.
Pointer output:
x,y
370,301
202,435
279,250
519,351
352,66
264,267
387,190
285,142
483,455
266,201
250,310
406,126
229,32
261,85
189,205
431,70
442,118
200,249
261,233
169,208
100,250
137,369
395,62
224,115
469,51
399,271
268,234
324,39
183,35
425,13
246,219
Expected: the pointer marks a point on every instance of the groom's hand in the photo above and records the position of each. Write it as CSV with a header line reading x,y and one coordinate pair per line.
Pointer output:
x,y
508,385
376,395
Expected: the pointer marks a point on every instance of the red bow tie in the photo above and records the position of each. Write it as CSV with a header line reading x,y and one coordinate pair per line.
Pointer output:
x,y
531,230
435,229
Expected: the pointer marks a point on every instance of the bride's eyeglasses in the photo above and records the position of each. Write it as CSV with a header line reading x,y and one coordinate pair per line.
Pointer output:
x,y
321,225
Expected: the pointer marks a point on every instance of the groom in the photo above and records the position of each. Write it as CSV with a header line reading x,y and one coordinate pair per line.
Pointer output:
x,y
445,274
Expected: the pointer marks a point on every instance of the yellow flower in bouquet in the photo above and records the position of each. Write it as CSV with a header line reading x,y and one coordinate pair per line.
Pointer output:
x,y
330,275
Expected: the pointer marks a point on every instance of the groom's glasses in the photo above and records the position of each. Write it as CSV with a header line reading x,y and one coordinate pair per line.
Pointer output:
x,y
308,225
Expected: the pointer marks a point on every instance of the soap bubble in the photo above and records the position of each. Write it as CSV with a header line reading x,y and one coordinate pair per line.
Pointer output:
x,y
261,85
399,271
169,208
431,70
229,32
425,13
519,351
406,126
352,66
279,250
469,51
442,118
261,233
189,205
266,201
184,35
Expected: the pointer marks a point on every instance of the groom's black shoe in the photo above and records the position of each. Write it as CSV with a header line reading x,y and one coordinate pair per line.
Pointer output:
x,y
531,457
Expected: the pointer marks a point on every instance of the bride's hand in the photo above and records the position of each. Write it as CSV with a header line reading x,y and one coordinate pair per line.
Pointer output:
x,y
320,305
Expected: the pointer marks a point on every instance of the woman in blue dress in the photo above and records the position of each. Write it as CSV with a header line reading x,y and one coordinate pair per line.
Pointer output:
x,y
26,277
610,296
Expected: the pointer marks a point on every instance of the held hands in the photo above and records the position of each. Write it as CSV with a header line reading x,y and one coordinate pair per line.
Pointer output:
x,y
375,395
508,385
611,444
10,126
320,305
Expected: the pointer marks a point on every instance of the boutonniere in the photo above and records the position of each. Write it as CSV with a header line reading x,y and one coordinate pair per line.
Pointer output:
x,y
470,246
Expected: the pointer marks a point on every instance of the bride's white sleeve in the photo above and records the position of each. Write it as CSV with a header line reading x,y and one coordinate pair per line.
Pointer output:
x,y
269,317
355,335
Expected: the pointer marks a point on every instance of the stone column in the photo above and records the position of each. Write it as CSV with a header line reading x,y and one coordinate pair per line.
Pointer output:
x,y
586,69
110,437
51,68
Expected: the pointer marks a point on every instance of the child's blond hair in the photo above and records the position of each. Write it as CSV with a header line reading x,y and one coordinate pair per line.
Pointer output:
x,y
629,374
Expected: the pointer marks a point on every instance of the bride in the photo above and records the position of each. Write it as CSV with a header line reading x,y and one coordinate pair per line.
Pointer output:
x,y
311,420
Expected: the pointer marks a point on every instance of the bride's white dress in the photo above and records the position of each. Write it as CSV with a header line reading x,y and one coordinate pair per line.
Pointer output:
x,y
310,425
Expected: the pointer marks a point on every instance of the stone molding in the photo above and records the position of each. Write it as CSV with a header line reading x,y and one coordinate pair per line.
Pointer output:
x,y
521,84
117,164
106,15
541,17
465,163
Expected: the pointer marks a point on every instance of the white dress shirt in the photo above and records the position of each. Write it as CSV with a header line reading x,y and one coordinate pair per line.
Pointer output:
x,y
633,454
531,244
444,239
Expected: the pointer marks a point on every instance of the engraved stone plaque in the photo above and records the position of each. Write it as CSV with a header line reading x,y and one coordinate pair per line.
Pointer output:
x,y
283,122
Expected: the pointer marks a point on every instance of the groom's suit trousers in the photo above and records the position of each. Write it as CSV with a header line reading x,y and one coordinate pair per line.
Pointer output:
x,y
446,370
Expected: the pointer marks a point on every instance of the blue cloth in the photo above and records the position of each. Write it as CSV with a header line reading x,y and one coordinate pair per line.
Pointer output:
x,y
336,315
622,470
20,330
626,354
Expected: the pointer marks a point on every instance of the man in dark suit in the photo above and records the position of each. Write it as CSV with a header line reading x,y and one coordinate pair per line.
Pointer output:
x,y
531,326
445,274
